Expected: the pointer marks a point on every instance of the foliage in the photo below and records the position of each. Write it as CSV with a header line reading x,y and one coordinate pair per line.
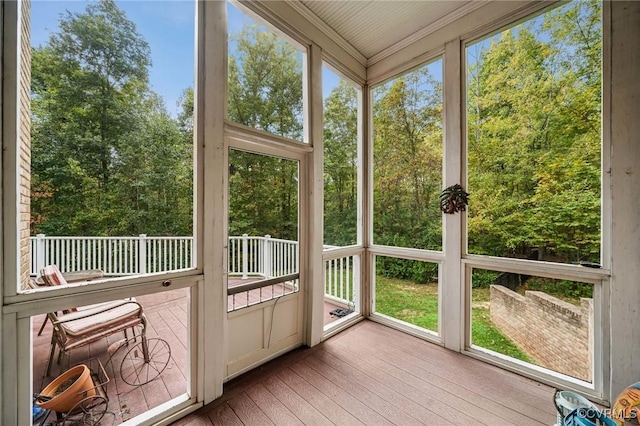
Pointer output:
x,y
534,138
341,166
407,169
265,83
569,291
107,159
481,278
264,195
413,270
407,155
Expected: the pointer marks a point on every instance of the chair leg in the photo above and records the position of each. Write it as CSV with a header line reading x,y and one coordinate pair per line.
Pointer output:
x,y
50,361
44,323
133,336
143,339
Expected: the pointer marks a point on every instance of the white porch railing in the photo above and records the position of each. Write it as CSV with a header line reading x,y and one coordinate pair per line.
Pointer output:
x,y
342,275
248,256
262,256
118,256
115,256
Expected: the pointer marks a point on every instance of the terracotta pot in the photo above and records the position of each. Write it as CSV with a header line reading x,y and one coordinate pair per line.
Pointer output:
x,y
81,387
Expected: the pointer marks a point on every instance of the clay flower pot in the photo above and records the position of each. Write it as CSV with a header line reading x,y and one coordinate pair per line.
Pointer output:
x,y
67,389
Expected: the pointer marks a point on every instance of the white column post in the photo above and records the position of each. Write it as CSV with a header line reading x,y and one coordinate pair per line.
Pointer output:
x,y
621,127
268,267
142,254
210,97
41,253
310,242
452,284
245,256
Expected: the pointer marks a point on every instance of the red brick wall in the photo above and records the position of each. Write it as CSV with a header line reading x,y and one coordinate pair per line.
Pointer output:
x,y
25,140
556,334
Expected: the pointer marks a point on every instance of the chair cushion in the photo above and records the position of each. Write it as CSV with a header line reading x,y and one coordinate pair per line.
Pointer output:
x,y
93,322
52,276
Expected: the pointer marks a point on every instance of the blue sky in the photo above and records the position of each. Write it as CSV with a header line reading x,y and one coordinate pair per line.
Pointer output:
x,y
168,27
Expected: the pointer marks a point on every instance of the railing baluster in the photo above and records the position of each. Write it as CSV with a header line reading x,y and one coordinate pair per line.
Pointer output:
x,y
109,256
155,256
349,278
67,254
245,257
92,258
164,255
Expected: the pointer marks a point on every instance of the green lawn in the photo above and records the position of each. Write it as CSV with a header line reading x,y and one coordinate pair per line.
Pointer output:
x,y
414,303
418,304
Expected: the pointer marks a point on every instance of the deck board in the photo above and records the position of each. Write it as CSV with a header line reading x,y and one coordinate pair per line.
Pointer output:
x,y
444,401
298,406
457,368
372,374
270,405
248,412
458,387
340,396
223,415
321,402
396,391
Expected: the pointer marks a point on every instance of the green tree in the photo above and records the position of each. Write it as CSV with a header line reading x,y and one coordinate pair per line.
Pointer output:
x,y
263,195
408,161
341,165
185,116
106,157
265,83
153,177
534,138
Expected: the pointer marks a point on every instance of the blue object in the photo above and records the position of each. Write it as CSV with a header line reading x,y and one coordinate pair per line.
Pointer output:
x,y
37,411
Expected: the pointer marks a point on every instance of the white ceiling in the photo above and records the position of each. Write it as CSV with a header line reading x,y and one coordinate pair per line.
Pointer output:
x,y
377,28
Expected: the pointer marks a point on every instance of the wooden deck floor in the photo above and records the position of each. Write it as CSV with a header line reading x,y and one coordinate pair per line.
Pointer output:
x,y
167,319
373,375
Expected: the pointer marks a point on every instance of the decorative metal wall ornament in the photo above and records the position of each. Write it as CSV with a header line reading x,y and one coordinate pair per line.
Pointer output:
x,y
453,199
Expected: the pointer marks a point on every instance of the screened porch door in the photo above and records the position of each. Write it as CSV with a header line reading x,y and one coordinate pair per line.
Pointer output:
x,y
264,303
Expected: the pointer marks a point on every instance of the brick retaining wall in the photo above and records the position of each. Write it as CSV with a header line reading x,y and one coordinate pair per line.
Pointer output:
x,y
556,334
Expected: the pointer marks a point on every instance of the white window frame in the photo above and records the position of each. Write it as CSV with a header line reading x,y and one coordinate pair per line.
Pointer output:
x,y
445,296
599,388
